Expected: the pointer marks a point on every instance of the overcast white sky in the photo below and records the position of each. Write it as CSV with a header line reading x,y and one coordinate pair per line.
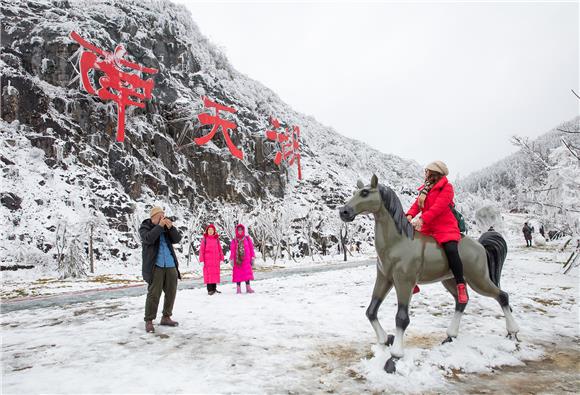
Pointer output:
x,y
449,81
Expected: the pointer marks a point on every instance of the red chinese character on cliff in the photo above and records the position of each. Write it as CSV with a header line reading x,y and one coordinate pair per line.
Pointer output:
x,y
124,88
289,141
216,121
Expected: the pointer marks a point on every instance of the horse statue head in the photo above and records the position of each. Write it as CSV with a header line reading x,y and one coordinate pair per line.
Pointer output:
x,y
366,200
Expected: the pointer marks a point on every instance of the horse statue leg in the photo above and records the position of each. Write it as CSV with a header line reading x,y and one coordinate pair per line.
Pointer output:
x,y
510,324
381,290
453,328
404,288
490,265
484,286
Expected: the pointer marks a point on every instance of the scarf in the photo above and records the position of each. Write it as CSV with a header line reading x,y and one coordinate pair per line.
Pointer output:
x,y
240,248
240,251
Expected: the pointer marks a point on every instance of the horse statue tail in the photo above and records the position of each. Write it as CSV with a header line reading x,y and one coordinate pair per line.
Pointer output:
x,y
496,249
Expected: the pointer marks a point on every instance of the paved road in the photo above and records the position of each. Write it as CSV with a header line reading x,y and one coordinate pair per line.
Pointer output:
x,y
141,289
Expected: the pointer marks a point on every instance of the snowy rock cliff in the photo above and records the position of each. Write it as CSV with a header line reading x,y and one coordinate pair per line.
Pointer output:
x,y
61,166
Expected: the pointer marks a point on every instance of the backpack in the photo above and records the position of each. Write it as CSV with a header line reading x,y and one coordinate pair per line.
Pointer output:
x,y
460,220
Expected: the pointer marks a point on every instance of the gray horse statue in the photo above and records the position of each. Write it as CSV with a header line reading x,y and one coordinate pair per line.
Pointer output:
x,y
407,258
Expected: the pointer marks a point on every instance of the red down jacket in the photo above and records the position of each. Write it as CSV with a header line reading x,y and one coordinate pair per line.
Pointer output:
x,y
438,220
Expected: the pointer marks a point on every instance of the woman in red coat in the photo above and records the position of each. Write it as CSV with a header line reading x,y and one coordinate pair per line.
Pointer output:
x,y
210,254
434,203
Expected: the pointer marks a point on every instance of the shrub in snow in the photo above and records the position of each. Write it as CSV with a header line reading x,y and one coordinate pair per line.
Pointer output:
x,y
74,263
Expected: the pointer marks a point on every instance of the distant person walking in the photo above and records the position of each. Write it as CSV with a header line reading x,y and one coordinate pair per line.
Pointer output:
x,y
527,231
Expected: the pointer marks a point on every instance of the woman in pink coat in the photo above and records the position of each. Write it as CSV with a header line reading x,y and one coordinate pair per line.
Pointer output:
x,y
242,257
210,254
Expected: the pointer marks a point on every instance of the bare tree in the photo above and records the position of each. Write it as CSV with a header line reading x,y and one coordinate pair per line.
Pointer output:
x,y
344,238
91,229
278,225
260,232
73,263
60,243
229,218
193,228
528,148
133,224
575,151
308,224
94,223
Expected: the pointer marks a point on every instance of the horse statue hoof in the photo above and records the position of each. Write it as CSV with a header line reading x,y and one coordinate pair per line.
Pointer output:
x,y
390,365
448,340
513,336
390,340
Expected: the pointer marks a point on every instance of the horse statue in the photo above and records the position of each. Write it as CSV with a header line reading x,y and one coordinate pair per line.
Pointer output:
x,y
407,258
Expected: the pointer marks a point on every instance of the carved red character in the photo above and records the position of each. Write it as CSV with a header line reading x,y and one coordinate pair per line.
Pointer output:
x,y
289,141
124,88
216,121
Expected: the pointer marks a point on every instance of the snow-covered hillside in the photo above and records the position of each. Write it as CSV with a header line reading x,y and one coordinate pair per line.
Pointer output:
x,y
541,180
61,168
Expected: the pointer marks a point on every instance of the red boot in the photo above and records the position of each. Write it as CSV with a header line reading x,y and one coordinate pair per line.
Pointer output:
x,y
416,290
462,297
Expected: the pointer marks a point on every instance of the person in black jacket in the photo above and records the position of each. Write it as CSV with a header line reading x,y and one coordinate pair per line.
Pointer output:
x,y
160,267
527,230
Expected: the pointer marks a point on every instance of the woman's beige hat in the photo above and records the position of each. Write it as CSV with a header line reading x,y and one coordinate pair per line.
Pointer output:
x,y
439,167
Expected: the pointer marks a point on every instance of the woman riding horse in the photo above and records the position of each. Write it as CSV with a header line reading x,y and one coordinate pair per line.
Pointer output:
x,y
434,203
407,258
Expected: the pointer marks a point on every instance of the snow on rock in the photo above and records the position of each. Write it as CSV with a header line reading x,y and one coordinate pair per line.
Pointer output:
x,y
82,175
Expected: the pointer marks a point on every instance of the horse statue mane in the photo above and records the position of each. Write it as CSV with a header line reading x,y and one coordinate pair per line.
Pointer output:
x,y
395,208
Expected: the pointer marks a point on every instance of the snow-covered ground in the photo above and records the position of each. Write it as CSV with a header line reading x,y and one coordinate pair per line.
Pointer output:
x,y
36,283
302,334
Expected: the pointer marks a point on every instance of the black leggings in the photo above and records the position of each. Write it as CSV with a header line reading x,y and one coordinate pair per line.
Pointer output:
x,y
247,283
454,261
211,287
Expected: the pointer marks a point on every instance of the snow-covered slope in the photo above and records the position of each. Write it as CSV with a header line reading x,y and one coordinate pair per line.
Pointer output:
x,y
542,180
60,164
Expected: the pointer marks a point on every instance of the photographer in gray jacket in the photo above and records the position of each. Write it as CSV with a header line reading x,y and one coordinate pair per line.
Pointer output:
x,y
160,266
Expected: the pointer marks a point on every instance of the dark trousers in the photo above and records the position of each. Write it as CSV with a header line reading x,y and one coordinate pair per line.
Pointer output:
x,y
247,283
211,287
454,261
528,242
164,279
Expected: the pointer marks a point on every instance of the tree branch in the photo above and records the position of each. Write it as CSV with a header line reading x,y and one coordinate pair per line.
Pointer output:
x,y
522,142
552,205
571,149
568,131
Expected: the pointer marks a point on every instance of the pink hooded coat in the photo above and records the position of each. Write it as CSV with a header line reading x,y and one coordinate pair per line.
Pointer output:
x,y
244,271
210,253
